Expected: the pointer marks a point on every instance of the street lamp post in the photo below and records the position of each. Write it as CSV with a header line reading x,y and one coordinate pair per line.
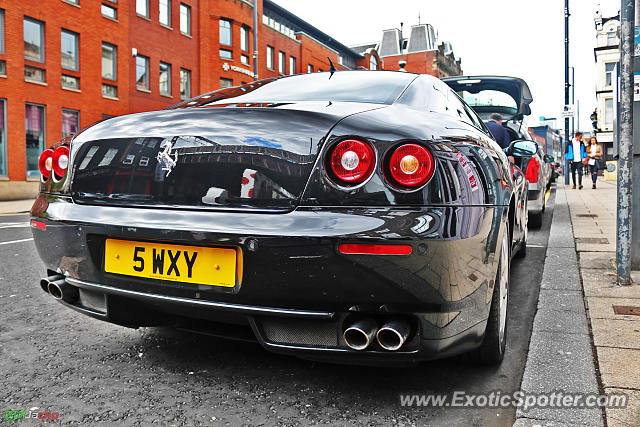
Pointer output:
x,y
566,87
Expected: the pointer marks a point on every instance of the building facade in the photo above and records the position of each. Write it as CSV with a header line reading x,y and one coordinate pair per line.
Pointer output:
x,y
420,53
607,56
65,64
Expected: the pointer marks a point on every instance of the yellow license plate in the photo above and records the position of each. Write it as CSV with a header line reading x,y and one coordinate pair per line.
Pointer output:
x,y
187,264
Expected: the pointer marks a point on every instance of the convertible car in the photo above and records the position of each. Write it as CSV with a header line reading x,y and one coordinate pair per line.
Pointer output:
x,y
353,216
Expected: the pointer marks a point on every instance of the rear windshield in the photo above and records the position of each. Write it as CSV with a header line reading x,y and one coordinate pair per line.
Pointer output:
x,y
342,86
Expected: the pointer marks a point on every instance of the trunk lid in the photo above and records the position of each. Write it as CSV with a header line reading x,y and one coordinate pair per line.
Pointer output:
x,y
206,157
508,96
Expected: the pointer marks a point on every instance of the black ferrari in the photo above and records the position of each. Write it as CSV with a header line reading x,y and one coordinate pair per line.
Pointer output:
x,y
354,216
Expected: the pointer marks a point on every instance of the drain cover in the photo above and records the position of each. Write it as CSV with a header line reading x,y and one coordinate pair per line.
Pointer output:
x,y
626,310
587,215
601,240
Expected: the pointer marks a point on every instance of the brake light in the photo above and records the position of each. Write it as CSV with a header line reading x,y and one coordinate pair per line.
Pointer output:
x,y
352,161
533,170
411,165
45,163
372,249
61,160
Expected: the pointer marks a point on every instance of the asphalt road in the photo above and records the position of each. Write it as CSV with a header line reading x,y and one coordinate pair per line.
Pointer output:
x,y
92,372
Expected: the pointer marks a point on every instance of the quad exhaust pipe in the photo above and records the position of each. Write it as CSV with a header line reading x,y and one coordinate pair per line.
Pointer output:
x,y
391,336
58,288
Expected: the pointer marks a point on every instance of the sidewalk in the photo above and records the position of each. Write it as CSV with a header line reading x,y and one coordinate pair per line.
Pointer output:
x,y
616,337
15,206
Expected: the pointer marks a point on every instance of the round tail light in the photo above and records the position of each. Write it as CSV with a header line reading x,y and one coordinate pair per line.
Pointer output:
x,y
46,163
61,160
352,161
411,165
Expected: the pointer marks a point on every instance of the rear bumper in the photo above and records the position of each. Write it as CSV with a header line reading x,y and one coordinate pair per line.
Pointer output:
x,y
535,204
297,291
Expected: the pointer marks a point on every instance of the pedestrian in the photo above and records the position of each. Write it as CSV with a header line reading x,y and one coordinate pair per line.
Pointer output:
x,y
596,157
500,134
576,153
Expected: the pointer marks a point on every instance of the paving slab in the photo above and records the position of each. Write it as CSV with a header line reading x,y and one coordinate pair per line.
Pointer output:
x,y
602,283
602,307
598,260
616,333
626,417
564,300
554,320
619,367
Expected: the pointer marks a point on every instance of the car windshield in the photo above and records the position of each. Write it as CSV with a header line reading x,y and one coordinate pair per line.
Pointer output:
x,y
342,86
489,98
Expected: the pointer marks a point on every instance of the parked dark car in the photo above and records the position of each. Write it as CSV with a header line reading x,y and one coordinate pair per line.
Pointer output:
x,y
353,216
510,97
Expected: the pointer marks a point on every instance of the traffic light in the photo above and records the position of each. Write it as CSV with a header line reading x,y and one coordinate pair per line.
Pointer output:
x,y
594,119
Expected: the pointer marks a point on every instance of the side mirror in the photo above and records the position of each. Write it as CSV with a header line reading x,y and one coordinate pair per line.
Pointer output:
x,y
548,159
522,148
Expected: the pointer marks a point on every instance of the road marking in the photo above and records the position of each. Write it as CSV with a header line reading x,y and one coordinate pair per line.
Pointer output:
x,y
546,195
15,241
15,225
535,246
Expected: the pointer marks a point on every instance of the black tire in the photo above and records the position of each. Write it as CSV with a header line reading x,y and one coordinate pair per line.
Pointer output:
x,y
491,351
522,252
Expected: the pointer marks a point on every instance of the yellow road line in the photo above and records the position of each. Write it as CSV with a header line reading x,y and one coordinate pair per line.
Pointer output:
x,y
547,195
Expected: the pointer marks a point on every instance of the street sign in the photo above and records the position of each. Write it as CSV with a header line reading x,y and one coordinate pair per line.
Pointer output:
x,y
568,111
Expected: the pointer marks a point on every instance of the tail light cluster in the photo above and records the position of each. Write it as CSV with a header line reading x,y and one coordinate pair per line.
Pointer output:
x,y
407,166
533,170
54,160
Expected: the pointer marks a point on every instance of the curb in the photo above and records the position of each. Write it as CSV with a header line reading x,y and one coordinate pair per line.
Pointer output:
x,y
560,356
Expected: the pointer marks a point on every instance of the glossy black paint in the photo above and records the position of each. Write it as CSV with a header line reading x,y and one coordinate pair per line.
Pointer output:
x,y
296,215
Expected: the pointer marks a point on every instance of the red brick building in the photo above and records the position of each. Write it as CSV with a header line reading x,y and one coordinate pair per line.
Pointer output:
x,y
65,64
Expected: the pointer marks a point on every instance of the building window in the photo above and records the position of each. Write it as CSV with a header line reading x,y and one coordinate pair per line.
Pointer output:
x,y
225,32
609,67
34,74
608,112
281,62
109,91
73,1
3,67
69,50
3,138
1,30
270,57
34,136
292,65
226,54
165,78
309,68
109,61
70,82
142,8
165,12
109,12
33,39
224,83
373,63
244,59
244,39
185,84
70,122
185,19
612,38
142,72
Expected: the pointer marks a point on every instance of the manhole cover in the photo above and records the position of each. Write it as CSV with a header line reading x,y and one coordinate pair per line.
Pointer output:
x,y
601,240
626,310
587,215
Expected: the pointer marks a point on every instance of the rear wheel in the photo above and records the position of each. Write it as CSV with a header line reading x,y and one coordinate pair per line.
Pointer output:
x,y
492,349
535,220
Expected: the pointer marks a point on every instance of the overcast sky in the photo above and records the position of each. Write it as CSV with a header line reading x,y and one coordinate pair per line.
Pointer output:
x,y
505,37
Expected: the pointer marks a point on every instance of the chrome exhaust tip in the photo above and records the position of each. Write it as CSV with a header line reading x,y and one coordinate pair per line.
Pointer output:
x,y
61,290
44,282
393,334
360,334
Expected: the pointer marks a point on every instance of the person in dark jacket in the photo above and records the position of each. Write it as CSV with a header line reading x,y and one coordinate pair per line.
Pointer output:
x,y
500,134
576,153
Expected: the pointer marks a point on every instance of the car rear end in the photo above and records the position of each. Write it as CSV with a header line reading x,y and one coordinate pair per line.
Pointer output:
x,y
283,224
